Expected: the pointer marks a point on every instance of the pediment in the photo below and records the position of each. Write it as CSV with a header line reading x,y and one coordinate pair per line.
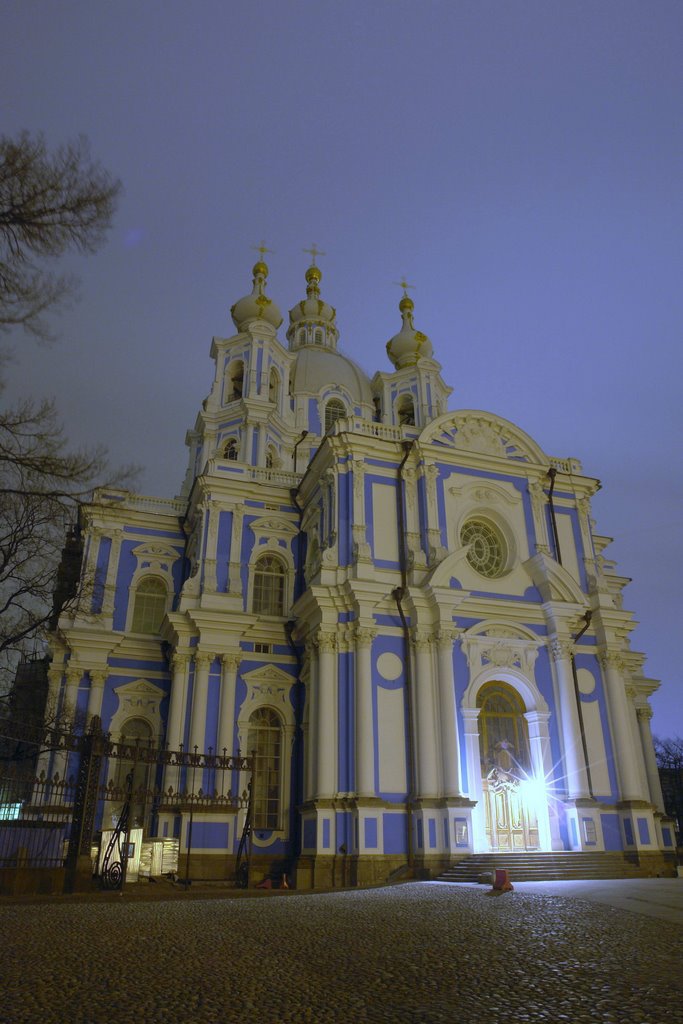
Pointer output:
x,y
157,555
553,581
273,526
482,433
268,674
139,688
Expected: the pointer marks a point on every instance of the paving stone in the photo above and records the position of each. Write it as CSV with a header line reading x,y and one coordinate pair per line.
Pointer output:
x,y
410,953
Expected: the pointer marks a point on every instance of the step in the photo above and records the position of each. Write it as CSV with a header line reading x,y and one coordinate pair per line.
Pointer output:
x,y
544,866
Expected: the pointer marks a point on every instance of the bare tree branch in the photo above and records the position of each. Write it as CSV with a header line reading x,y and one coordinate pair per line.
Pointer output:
x,y
49,204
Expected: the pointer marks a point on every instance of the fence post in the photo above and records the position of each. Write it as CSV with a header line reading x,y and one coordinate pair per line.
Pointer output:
x,y
78,864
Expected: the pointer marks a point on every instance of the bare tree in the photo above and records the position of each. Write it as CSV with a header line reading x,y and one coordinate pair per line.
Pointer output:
x,y
41,487
49,204
669,753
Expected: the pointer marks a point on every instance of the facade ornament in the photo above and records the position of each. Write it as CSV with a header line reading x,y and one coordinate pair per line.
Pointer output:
x,y
561,649
364,636
644,711
202,660
501,654
421,640
446,636
612,659
326,641
231,662
179,660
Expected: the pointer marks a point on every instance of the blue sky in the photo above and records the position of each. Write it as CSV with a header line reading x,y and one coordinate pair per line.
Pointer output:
x,y
521,163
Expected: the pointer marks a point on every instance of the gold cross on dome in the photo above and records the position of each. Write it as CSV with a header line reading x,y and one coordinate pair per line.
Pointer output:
x,y
314,252
262,249
404,284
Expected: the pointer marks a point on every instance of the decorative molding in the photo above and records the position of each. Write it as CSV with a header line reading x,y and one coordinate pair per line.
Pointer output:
x,y
364,636
325,641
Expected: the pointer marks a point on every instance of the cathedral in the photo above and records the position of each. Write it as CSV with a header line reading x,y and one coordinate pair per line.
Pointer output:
x,y
403,612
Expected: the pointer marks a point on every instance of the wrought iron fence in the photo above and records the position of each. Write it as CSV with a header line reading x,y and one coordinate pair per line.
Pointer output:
x,y
60,789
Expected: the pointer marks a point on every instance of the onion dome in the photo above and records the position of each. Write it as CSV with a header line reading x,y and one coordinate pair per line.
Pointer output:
x,y
256,306
312,307
312,312
409,345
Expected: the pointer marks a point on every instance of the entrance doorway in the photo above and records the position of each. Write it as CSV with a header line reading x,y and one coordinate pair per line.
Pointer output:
x,y
511,819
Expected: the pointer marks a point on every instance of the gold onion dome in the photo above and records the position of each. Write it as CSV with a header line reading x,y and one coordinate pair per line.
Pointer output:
x,y
409,345
256,306
312,307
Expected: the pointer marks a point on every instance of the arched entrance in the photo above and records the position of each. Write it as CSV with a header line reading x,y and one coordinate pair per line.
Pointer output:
x,y
135,731
511,820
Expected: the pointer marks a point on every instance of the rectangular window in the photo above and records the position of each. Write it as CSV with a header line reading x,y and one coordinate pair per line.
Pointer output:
x,y
263,648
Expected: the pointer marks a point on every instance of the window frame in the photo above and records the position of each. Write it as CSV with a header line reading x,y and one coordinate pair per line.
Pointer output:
x,y
136,595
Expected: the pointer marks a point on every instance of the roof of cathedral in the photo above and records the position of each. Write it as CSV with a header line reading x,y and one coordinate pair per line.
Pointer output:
x,y
316,367
256,306
409,345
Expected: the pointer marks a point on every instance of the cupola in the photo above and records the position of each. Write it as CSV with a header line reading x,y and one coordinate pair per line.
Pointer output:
x,y
409,345
256,306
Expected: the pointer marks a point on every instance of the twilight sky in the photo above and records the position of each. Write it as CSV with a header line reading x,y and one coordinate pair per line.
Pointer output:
x,y
520,162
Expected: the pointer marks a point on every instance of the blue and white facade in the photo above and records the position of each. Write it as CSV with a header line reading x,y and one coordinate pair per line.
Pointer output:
x,y
387,600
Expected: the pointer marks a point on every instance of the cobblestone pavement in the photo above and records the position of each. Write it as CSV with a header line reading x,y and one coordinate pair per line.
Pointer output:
x,y
414,953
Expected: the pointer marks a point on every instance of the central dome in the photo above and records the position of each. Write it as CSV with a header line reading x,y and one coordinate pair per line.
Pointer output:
x,y
316,368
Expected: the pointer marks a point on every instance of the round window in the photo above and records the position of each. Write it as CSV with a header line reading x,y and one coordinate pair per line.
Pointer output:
x,y
487,549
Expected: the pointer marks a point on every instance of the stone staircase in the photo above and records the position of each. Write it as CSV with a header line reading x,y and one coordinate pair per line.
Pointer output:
x,y
532,867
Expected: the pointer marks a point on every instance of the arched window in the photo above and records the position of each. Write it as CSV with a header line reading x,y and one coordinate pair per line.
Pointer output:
x,y
269,586
150,605
406,411
318,336
230,450
236,380
334,410
264,743
274,386
503,730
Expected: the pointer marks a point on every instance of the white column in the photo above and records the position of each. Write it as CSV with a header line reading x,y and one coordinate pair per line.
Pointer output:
x,y
235,564
539,502
73,680
261,445
326,785
97,681
655,786
54,685
226,717
574,761
112,571
310,677
210,583
541,768
414,541
425,715
200,697
436,550
248,443
364,731
176,714
450,744
470,718
361,548
622,737
638,754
